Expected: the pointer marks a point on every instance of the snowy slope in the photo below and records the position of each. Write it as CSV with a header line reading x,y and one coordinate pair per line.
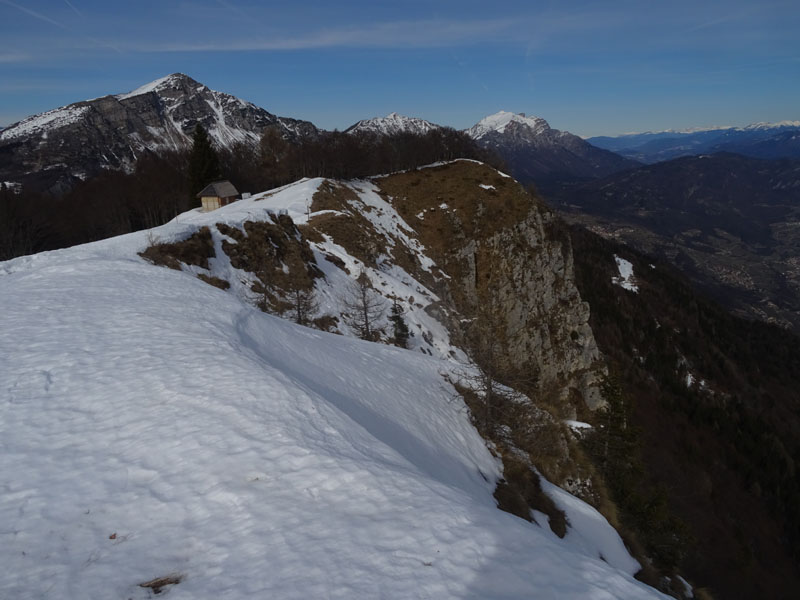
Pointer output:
x,y
152,424
40,124
392,124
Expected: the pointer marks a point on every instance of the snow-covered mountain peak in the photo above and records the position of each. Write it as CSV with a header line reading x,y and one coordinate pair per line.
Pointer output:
x,y
778,125
392,124
111,132
500,120
170,81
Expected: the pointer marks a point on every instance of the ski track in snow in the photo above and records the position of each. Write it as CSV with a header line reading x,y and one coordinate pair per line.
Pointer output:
x,y
152,424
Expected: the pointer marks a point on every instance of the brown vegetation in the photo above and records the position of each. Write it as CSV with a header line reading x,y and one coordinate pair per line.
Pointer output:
x,y
195,250
158,584
215,281
278,254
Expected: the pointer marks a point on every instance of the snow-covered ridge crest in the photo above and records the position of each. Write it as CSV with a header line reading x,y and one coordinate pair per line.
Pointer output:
x,y
156,425
41,123
762,125
500,120
392,124
766,125
153,86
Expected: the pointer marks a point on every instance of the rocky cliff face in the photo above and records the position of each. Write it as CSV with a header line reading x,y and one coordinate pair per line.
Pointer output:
x,y
501,250
52,150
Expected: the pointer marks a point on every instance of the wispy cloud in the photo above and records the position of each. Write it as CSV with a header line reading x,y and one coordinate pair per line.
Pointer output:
x,y
13,57
235,9
397,34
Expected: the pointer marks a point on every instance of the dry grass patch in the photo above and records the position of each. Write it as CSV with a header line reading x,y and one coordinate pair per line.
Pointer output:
x,y
158,584
520,491
195,250
278,254
215,281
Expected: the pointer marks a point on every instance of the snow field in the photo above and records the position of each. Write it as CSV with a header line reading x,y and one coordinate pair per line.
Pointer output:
x,y
626,280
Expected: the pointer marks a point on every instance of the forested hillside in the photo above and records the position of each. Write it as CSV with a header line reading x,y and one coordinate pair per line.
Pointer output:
x,y
713,402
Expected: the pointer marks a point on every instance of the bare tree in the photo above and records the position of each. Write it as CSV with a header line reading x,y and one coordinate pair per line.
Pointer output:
x,y
497,381
485,345
304,304
364,307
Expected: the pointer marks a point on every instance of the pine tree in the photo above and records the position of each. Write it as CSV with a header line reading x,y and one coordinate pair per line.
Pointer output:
x,y
401,333
204,166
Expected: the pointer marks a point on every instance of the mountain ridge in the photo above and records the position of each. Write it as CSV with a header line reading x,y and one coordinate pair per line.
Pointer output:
x,y
538,154
75,142
392,124
757,140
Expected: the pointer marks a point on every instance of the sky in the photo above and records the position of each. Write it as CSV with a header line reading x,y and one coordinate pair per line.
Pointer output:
x,y
592,67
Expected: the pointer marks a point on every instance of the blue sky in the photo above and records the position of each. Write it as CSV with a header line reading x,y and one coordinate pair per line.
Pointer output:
x,y
590,67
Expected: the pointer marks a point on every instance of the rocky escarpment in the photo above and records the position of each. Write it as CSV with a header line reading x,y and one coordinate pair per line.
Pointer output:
x,y
502,252
52,150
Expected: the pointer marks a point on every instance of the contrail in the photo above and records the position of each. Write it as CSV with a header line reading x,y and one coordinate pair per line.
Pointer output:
x,y
46,19
77,12
33,13
232,8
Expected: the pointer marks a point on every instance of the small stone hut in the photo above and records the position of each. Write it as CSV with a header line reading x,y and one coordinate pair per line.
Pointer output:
x,y
219,193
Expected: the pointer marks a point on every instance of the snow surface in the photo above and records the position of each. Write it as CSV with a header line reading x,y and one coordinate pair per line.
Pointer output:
x,y
589,531
147,88
47,121
499,121
625,279
152,424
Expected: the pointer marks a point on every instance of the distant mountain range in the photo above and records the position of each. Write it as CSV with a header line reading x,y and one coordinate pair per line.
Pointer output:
x,y
53,150
759,140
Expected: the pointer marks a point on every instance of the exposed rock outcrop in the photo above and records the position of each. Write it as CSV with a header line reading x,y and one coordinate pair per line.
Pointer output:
x,y
501,249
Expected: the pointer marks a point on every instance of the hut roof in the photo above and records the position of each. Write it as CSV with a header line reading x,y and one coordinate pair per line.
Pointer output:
x,y
221,189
